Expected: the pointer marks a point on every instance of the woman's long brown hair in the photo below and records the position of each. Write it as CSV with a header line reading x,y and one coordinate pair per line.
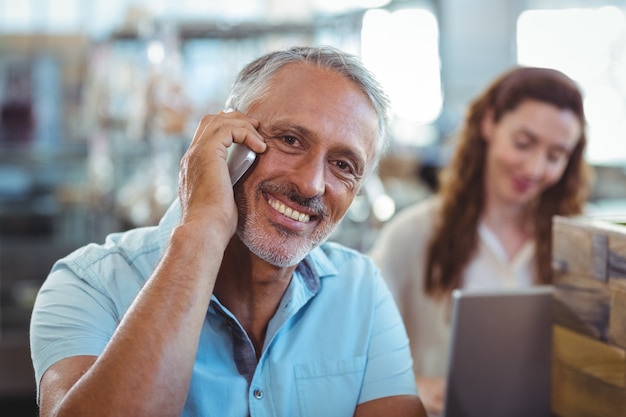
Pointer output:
x,y
455,238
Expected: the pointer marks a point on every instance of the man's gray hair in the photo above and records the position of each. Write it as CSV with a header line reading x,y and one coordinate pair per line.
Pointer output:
x,y
254,81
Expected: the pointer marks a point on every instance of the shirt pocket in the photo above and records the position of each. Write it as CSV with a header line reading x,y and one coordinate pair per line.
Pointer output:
x,y
329,388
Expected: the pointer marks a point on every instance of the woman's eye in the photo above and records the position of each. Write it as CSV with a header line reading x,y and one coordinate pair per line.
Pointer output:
x,y
555,156
522,144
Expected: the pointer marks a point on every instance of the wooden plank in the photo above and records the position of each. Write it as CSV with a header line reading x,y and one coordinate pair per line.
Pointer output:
x,y
590,356
582,304
617,259
575,394
617,320
579,246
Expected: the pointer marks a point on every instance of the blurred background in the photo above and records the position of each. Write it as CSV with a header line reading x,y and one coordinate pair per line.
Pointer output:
x,y
99,99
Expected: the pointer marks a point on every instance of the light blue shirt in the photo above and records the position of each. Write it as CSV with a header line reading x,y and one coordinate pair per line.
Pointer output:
x,y
336,340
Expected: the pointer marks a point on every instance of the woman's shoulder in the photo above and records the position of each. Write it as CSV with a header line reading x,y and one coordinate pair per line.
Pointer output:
x,y
423,210
411,224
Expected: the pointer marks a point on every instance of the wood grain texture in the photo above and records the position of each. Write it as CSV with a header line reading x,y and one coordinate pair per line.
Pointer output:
x,y
589,344
579,246
582,304
590,356
576,394
617,259
617,319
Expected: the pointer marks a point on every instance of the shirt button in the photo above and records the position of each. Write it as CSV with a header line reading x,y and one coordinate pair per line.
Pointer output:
x,y
258,394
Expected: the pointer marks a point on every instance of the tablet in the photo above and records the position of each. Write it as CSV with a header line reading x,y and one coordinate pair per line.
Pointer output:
x,y
500,354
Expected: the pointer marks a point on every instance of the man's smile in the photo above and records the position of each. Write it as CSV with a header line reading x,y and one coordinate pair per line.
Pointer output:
x,y
288,211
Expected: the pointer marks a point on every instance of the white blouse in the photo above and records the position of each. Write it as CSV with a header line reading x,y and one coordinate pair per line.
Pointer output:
x,y
400,252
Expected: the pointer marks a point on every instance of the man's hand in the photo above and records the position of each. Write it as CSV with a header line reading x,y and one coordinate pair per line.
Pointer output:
x,y
205,189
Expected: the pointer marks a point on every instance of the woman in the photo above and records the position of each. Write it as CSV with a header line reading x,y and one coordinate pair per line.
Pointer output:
x,y
519,161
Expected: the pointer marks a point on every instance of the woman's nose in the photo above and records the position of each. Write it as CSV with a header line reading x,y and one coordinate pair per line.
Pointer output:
x,y
535,165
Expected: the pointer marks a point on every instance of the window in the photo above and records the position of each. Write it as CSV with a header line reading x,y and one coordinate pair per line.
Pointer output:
x,y
401,48
590,47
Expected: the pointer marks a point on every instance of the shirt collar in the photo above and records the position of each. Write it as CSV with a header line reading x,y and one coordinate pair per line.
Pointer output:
x,y
523,256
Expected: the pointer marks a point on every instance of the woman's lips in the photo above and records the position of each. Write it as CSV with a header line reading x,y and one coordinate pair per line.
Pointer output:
x,y
522,186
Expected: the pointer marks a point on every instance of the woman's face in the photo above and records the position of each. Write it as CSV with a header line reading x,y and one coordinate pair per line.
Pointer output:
x,y
527,151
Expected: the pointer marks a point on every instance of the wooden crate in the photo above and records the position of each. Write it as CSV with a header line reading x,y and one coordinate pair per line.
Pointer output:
x,y
589,336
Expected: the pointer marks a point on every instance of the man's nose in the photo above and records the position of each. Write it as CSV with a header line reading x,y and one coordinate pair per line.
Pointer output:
x,y
310,176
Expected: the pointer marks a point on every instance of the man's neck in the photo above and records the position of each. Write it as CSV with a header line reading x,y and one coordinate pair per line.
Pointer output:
x,y
251,289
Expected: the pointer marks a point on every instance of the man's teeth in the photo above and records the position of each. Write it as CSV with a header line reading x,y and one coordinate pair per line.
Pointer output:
x,y
288,211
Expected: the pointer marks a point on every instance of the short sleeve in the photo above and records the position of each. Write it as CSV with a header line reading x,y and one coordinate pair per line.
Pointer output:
x,y
389,368
70,317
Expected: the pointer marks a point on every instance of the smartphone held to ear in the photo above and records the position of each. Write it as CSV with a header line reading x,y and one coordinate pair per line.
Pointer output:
x,y
239,159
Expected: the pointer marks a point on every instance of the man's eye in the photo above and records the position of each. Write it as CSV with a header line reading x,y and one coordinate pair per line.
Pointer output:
x,y
344,166
290,140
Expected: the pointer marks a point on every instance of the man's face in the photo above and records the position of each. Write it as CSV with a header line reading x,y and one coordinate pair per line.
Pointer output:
x,y
320,131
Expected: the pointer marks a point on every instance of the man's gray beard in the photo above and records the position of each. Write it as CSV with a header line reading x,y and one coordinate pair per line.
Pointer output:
x,y
292,249
265,247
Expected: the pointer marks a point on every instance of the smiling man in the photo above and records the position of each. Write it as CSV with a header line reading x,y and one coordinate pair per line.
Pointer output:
x,y
234,305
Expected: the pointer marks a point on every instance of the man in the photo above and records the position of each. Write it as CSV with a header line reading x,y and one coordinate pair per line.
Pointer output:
x,y
233,305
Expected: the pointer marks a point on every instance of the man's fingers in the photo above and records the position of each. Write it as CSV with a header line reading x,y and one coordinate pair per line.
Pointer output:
x,y
229,127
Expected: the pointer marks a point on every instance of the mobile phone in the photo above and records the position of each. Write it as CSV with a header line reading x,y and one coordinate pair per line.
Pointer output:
x,y
239,159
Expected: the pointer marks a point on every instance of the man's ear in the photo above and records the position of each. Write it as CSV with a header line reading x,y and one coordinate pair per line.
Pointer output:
x,y
487,125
